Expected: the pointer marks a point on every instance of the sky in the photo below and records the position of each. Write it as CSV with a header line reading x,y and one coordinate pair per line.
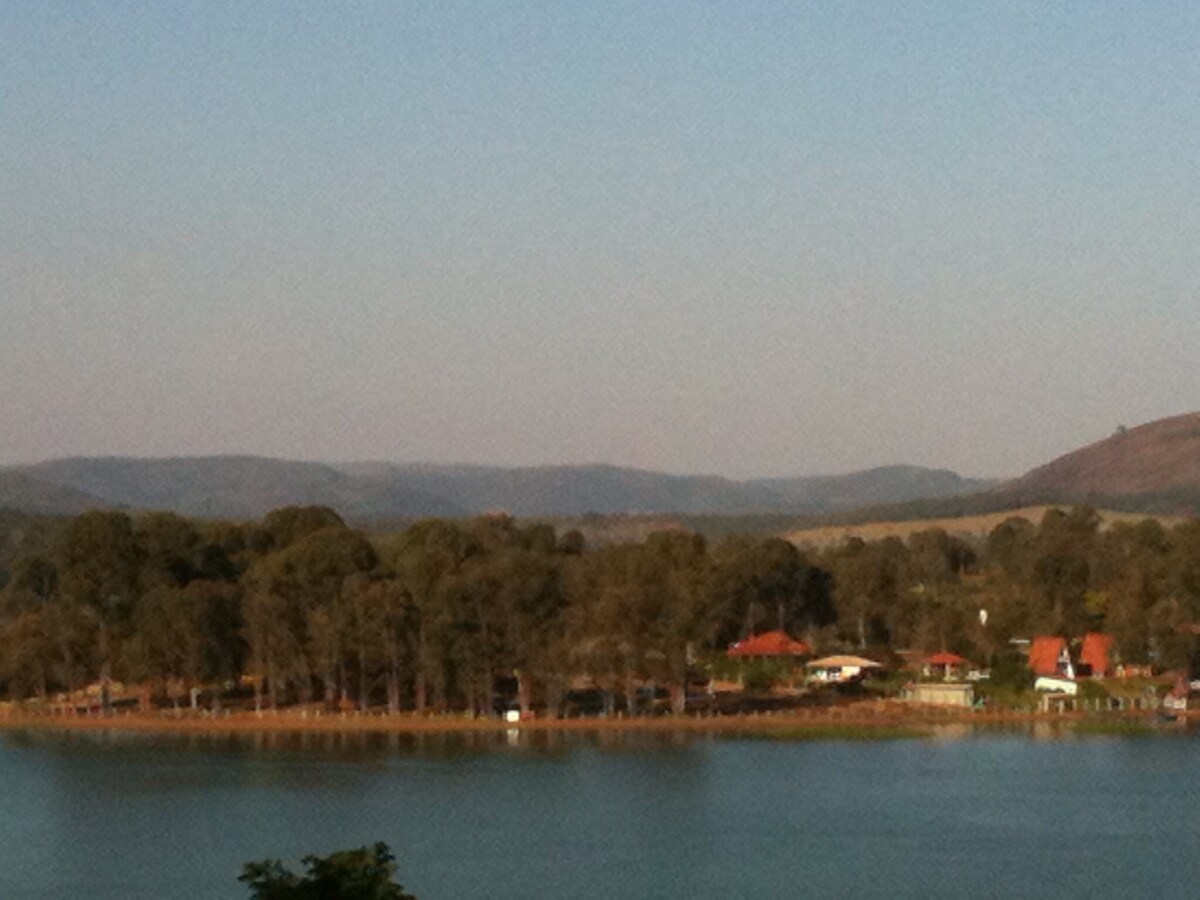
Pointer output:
x,y
750,239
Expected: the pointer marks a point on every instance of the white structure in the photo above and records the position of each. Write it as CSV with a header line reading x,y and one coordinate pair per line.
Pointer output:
x,y
839,669
1057,685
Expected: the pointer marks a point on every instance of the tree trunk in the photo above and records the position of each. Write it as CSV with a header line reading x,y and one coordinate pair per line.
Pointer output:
x,y
554,699
630,695
105,674
393,691
422,691
330,683
610,703
272,687
678,698
489,694
364,687
524,690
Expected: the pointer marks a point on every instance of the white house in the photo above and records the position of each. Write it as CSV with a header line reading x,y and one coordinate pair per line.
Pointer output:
x,y
839,669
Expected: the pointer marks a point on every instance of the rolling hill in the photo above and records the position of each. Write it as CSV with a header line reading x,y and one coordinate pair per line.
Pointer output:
x,y
246,487
233,486
871,487
26,493
1157,459
608,490
1154,468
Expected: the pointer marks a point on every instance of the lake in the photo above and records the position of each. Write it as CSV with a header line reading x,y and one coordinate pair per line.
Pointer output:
x,y
973,813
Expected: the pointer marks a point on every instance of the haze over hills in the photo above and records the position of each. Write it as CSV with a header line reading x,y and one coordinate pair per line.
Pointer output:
x,y
1151,468
229,486
23,492
239,487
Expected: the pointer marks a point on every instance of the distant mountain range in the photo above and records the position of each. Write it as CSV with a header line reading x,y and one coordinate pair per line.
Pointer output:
x,y
247,487
1152,468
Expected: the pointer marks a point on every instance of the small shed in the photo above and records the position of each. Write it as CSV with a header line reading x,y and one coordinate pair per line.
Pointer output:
x,y
941,694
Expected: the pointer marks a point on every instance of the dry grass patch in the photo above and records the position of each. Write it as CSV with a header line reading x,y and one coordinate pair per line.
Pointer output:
x,y
962,526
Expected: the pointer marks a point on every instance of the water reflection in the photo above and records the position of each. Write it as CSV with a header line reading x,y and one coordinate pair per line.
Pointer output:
x,y
349,746
366,746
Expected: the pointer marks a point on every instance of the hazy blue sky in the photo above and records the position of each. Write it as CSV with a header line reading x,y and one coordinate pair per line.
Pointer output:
x,y
745,238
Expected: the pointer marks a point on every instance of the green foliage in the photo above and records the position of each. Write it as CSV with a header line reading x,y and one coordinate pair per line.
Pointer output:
x,y
367,873
1007,695
1092,690
1010,670
469,615
760,675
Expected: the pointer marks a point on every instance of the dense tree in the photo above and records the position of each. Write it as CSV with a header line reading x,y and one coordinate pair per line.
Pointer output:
x,y
367,873
762,584
450,615
99,561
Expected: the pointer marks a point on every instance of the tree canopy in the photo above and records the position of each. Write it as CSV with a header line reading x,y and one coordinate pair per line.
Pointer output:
x,y
366,873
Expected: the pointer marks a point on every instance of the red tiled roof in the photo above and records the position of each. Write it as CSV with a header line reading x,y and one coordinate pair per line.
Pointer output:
x,y
770,643
1094,652
1044,653
946,659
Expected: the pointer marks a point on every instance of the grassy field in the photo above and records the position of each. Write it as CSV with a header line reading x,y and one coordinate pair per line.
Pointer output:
x,y
965,526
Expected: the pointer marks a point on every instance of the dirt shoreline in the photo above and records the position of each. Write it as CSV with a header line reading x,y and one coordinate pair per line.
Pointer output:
x,y
881,718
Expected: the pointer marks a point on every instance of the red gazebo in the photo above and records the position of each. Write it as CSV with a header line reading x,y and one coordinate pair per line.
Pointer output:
x,y
945,664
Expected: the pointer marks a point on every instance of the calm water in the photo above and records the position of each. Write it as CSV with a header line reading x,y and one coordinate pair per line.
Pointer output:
x,y
1000,814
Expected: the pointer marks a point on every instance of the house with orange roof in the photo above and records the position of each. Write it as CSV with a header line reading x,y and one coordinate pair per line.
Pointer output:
x,y
769,645
1050,661
1095,655
773,646
1050,657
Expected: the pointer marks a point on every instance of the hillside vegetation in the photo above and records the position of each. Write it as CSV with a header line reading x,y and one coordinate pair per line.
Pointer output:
x,y
1154,459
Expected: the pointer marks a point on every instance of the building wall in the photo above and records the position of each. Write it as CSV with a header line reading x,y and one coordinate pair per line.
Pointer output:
x,y
943,694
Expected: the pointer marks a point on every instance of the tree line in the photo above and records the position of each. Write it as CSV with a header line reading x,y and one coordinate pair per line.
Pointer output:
x,y
451,614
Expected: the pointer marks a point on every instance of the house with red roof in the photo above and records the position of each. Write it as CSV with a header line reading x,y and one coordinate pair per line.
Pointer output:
x,y
769,645
776,646
1050,661
1095,655
1049,657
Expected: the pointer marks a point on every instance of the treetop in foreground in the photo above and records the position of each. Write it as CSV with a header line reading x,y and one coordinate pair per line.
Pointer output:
x,y
367,873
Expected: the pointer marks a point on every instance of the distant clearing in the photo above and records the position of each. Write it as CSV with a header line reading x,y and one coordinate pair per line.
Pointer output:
x,y
964,526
